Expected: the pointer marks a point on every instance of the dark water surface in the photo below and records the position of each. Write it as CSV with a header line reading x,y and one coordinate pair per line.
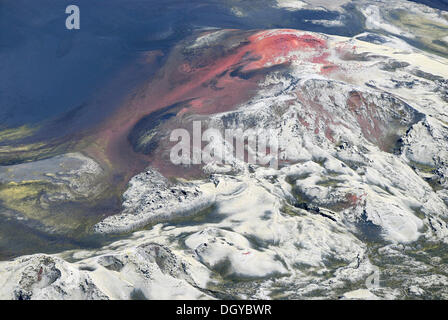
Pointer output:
x,y
47,70
438,4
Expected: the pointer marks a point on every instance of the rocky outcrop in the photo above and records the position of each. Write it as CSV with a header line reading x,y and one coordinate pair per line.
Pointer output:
x,y
151,199
135,273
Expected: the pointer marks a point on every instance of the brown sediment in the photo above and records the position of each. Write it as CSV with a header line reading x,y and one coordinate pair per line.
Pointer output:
x,y
367,118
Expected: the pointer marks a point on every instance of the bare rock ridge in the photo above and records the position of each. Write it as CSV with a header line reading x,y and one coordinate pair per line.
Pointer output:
x,y
151,198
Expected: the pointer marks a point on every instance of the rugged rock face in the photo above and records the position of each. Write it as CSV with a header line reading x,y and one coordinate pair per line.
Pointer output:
x,y
146,271
151,198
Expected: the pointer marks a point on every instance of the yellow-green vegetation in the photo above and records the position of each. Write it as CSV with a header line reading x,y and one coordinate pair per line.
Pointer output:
x,y
422,167
431,179
16,133
63,213
328,183
30,152
13,154
146,138
25,197
430,248
289,210
419,213
428,32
